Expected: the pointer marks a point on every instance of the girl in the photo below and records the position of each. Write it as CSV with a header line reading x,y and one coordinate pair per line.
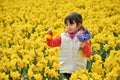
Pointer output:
x,y
70,42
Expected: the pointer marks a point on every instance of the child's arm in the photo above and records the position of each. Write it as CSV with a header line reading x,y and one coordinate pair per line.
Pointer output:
x,y
54,42
86,50
50,41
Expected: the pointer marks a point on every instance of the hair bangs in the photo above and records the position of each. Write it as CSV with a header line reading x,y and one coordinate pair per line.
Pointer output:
x,y
70,19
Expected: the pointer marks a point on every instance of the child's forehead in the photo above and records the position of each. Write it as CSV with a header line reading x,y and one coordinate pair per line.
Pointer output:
x,y
70,21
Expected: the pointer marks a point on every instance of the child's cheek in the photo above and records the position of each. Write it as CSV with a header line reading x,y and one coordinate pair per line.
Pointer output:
x,y
66,30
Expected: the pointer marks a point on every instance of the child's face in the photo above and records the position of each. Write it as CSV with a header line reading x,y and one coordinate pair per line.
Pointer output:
x,y
71,28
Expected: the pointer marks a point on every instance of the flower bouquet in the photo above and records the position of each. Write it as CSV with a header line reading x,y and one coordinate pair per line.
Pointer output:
x,y
83,35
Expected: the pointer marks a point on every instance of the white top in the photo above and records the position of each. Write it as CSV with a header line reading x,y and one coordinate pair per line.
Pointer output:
x,y
70,58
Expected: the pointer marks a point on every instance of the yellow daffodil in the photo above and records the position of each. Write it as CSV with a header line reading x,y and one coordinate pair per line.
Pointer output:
x,y
15,75
106,47
30,73
48,36
38,77
3,76
55,66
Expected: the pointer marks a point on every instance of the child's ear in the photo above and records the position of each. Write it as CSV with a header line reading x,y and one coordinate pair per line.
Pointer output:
x,y
79,26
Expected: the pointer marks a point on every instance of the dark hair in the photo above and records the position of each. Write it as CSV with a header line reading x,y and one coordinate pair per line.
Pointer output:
x,y
74,16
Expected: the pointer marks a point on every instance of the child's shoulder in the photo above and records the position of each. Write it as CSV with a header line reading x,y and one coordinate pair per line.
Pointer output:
x,y
64,33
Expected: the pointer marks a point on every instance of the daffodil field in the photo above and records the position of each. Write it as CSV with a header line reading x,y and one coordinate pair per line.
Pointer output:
x,y
24,54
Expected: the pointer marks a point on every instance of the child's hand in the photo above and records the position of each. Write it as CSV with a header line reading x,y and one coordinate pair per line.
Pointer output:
x,y
82,44
49,31
52,32
49,34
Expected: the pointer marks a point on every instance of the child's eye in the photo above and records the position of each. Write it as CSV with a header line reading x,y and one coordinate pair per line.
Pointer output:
x,y
66,25
72,24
